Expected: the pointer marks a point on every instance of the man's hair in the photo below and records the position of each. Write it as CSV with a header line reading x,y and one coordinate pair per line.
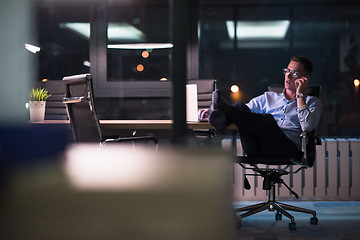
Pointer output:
x,y
308,66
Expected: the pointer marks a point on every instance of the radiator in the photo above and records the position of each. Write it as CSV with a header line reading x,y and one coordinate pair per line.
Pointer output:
x,y
334,176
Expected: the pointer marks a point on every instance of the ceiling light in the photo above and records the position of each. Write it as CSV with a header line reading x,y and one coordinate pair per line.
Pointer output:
x,y
83,29
253,30
32,48
141,46
86,63
116,31
124,31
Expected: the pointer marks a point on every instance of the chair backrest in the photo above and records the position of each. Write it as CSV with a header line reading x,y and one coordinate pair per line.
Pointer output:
x,y
313,140
79,101
205,87
55,109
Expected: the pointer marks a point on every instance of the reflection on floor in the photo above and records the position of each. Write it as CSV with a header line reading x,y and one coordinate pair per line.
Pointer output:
x,y
338,220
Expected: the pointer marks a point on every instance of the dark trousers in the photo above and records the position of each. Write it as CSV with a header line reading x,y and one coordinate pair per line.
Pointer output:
x,y
260,135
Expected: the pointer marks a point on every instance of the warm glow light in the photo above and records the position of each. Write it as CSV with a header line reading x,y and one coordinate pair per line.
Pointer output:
x,y
356,82
145,54
234,88
140,67
44,80
235,94
163,79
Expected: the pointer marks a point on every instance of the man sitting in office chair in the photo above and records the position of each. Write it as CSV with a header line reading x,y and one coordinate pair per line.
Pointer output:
x,y
270,124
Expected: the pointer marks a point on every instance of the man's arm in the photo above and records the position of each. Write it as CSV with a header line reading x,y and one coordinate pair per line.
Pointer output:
x,y
309,108
310,114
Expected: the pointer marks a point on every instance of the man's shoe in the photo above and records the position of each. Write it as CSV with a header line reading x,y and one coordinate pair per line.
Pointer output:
x,y
216,95
218,103
218,120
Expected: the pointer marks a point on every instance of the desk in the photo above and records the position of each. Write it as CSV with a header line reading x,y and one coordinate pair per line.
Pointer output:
x,y
149,124
139,124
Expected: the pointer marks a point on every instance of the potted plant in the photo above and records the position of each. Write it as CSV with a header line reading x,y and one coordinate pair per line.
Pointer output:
x,y
37,103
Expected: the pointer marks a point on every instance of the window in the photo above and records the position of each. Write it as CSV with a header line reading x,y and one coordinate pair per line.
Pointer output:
x,y
96,37
128,81
63,42
325,33
138,47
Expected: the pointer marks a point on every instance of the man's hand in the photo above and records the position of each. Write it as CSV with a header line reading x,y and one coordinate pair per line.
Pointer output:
x,y
203,114
301,85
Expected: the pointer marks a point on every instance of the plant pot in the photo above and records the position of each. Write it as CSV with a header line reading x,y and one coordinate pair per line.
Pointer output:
x,y
37,110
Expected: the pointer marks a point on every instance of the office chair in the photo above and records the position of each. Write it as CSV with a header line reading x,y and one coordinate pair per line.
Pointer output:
x,y
275,169
55,109
79,101
205,88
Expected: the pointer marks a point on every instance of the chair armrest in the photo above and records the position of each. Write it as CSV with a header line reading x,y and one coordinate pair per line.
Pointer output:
x,y
73,100
307,137
304,137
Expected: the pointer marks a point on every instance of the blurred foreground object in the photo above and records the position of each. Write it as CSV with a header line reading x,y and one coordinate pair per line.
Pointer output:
x,y
116,192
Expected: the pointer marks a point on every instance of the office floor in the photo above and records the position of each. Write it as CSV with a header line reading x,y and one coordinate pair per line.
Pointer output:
x,y
338,220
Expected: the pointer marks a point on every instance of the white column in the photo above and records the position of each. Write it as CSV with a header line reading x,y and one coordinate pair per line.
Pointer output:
x,y
16,63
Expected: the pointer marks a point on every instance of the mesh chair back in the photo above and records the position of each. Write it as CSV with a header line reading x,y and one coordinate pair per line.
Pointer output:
x,y
80,107
205,87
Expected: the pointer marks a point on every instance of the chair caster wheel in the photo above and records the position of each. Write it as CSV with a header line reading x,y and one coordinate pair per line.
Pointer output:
x,y
278,216
292,226
314,220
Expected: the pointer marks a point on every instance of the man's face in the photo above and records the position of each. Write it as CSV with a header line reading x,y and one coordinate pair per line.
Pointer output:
x,y
289,79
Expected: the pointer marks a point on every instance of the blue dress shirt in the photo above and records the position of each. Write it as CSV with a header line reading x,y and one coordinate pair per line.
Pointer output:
x,y
291,119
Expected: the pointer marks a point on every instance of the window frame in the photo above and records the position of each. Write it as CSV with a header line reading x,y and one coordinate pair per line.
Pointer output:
x,y
98,69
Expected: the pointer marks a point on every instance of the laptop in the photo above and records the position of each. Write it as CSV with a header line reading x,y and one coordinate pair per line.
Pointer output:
x,y
191,103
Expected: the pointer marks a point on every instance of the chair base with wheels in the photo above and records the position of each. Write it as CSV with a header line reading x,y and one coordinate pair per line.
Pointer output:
x,y
271,178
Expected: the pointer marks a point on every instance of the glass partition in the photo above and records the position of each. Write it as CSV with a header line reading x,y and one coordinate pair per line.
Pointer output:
x,y
133,80
328,34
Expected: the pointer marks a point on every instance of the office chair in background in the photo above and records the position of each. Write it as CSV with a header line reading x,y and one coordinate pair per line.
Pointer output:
x,y
274,170
79,101
205,88
55,109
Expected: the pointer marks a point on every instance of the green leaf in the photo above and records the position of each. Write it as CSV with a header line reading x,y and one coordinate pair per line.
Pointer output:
x,y
39,94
